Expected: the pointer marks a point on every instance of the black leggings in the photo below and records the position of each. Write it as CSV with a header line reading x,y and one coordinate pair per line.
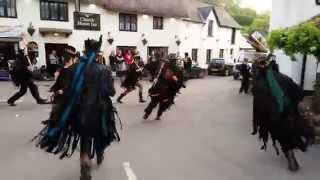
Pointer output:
x,y
164,104
24,85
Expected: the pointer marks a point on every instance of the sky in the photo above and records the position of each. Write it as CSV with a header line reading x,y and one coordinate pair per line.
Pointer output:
x,y
259,5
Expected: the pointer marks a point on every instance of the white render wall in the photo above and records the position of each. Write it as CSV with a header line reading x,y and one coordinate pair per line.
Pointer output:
x,y
192,35
286,13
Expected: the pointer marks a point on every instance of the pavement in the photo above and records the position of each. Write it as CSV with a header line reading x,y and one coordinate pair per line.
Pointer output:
x,y
205,136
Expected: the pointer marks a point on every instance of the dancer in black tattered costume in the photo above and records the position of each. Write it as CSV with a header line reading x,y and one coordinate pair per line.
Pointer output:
x,y
133,76
275,112
21,75
165,88
88,115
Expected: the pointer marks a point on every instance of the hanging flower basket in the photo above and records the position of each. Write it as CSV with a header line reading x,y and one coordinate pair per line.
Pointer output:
x,y
178,42
110,41
31,29
144,41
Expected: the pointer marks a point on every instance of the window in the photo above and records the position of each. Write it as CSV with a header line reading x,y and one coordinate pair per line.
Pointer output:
x,y
233,36
128,22
231,52
54,10
221,53
8,8
157,22
194,55
210,28
318,2
209,51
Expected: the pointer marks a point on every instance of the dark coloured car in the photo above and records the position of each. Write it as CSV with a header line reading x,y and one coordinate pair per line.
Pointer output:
x,y
197,72
219,67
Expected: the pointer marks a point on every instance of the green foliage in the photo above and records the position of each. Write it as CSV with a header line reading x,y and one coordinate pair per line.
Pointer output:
x,y
260,23
303,39
248,18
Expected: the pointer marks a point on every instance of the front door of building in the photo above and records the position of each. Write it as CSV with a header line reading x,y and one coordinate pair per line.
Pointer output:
x,y
54,57
7,52
126,48
161,51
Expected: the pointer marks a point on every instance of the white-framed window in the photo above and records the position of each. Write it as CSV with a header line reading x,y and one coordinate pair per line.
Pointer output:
x,y
128,22
54,10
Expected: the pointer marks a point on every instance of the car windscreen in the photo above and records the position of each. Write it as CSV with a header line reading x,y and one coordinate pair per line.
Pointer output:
x,y
217,61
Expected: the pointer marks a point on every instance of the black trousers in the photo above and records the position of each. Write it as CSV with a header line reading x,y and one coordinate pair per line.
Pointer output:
x,y
164,104
91,146
23,90
244,85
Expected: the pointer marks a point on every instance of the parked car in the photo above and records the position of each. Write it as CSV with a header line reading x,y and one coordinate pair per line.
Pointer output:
x,y
197,71
219,67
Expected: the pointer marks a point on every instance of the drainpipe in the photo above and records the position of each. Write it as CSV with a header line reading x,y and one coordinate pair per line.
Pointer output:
x,y
303,70
77,5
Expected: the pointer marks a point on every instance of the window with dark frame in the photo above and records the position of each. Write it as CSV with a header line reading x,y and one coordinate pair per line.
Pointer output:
x,y
128,22
221,54
8,8
233,36
54,10
210,28
194,55
157,22
209,52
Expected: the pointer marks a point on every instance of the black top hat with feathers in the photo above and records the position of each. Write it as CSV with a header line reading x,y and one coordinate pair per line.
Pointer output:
x,y
92,45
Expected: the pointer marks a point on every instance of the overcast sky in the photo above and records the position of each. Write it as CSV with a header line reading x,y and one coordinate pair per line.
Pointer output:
x,y
259,5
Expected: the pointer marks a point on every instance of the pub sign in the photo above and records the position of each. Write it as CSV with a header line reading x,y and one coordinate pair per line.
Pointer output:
x,y
86,21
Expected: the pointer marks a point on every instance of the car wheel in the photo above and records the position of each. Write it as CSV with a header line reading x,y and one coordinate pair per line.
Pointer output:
x,y
226,73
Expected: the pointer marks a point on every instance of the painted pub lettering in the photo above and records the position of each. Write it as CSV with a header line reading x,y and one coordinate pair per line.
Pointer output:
x,y
86,21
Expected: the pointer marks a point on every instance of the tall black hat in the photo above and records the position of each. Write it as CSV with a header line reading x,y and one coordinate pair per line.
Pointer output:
x,y
92,45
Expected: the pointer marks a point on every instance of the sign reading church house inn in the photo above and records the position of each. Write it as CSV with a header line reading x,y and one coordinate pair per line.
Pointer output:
x,y
86,21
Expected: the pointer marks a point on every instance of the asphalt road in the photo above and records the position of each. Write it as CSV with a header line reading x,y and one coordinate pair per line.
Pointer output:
x,y
205,136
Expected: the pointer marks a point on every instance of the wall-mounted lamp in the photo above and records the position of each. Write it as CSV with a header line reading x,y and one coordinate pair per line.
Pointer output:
x,y
110,39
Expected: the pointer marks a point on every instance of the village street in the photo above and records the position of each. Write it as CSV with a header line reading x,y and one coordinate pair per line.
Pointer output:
x,y
205,136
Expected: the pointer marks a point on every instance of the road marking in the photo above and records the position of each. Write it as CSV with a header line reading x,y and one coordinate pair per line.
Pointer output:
x,y
129,171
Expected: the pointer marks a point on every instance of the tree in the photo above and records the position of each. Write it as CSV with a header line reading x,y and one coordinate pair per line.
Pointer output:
x,y
260,23
301,39
248,18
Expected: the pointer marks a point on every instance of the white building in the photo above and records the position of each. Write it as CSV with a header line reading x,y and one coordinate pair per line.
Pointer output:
x,y
287,13
204,31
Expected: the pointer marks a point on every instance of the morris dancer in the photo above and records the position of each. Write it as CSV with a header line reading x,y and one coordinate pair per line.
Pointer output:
x,y
276,98
88,115
165,88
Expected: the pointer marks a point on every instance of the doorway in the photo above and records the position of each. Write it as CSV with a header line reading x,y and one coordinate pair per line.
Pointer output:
x,y
161,51
126,48
7,52
54,56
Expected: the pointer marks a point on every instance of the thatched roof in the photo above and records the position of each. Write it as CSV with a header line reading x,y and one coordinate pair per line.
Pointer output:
x,y
166,8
